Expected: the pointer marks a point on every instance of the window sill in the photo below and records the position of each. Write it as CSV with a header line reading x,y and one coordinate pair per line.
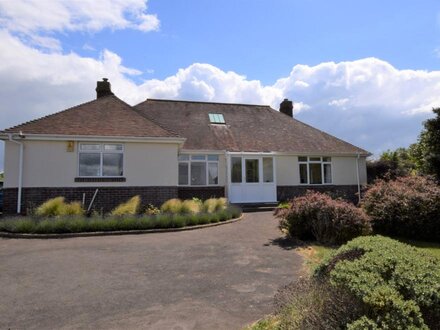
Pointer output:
x,y
100,179
316,184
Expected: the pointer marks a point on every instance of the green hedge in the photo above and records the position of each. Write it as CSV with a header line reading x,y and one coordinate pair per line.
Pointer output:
x,y
396,285
76,224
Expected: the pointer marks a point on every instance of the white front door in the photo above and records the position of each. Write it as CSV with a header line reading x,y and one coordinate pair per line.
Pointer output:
x,y
251,179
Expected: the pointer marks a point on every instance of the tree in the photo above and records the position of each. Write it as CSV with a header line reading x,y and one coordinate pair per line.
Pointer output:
x,y
431,136
390,165
426,152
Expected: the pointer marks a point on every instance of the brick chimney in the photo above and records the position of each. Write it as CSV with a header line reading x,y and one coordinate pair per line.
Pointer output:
x,y
286,107
103,88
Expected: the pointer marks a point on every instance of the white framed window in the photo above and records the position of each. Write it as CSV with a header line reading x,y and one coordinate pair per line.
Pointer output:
x,y
315,170
198,170
100,159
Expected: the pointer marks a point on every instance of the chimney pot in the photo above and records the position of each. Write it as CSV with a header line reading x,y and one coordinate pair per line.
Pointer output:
x,y
286,107
103,88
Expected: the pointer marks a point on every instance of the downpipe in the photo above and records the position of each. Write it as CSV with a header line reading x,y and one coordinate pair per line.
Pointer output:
x,y
20,171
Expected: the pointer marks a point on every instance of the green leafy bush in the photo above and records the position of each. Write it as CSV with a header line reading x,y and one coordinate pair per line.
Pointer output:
x,y
406,207
130,207
318,216
58,207
173,206
397,285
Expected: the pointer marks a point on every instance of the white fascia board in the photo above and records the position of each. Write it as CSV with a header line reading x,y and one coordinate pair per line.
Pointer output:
x,y
92,138
322,153
274,153
201,151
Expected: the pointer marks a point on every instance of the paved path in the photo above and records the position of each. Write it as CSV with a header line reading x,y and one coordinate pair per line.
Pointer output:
x,y
214,278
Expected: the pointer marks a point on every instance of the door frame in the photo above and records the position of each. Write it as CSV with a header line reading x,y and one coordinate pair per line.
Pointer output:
x,y
251,155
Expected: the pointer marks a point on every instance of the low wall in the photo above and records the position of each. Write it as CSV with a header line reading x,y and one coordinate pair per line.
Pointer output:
x,y
106,199
201,192
348,192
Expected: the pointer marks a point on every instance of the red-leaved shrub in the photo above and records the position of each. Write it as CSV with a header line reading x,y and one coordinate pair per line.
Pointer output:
x,y
318,216
406,207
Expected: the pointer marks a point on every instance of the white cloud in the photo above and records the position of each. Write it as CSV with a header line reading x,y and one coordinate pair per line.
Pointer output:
x,y
339,102
367,102
32,16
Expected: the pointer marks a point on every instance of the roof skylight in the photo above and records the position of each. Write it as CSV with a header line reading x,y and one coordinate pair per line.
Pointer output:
x,y
216,118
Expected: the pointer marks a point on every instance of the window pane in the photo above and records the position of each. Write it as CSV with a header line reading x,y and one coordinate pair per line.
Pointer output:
x,y
327,173
113,147
183,173
326,159
236,169
267,169
112,164
183,157
315,173
91,147
315,159
303,173
198,157
302,159
198,174
212,173
252,170
89,164
213,157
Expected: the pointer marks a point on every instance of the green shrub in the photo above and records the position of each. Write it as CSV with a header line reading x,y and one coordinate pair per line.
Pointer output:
x,y
318,216
406,207
58,207
398,285
173,206
191,206
129,207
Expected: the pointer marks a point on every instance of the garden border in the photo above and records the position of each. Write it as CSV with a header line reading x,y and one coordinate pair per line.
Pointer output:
x,y
5,234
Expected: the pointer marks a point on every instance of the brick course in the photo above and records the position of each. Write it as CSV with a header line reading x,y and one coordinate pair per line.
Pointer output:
x,y
201,192
347,192
106,199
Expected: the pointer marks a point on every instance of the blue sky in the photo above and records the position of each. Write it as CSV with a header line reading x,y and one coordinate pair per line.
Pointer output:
x,y
264,39
365,72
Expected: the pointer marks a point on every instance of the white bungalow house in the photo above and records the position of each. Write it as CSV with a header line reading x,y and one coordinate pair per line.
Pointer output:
x,y
162,149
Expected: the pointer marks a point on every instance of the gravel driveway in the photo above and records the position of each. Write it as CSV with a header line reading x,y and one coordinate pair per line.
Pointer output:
x,y
214,278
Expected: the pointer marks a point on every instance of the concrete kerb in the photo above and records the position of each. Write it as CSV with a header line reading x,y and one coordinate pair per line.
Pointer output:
x,y
118,232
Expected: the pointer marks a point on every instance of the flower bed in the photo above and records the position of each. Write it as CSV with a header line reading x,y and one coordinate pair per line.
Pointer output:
x,y
80,224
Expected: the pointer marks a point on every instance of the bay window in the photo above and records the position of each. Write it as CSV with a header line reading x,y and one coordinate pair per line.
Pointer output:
x,y
315,170
198,170
97,160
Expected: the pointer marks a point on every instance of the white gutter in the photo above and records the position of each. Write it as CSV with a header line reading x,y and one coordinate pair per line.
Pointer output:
x,y
357,176
20,172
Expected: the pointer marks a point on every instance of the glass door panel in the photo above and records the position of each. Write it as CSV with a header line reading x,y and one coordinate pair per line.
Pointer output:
x,y
252,170
236,170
